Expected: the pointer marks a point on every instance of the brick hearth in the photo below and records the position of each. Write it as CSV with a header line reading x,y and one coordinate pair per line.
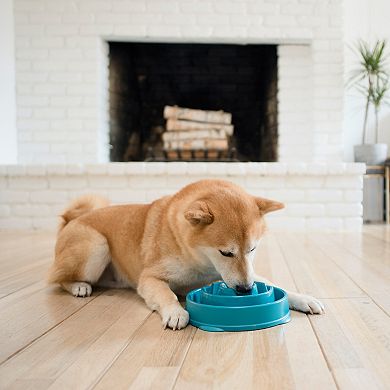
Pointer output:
x,y
317,196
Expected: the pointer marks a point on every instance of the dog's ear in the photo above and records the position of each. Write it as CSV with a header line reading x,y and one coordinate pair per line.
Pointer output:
x,y
267,205
199,214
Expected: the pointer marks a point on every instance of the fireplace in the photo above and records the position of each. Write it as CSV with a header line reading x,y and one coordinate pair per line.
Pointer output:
x,y
146,77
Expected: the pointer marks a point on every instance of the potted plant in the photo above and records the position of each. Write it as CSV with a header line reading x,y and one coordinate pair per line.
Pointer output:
x,y
372,80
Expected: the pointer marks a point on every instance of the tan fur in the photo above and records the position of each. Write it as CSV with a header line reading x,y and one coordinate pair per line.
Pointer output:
x,y
82,206
164,248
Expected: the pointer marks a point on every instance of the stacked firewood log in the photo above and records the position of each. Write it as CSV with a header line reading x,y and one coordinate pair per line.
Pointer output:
x,y
196,133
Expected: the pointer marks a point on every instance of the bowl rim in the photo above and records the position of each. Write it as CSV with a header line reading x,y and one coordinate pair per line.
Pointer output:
x,y
198,290
249,296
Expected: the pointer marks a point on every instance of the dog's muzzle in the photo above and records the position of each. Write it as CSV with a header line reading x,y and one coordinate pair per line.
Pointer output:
x,y
242,289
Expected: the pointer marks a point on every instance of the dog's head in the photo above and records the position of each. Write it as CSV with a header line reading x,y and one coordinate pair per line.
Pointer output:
x,y
226,226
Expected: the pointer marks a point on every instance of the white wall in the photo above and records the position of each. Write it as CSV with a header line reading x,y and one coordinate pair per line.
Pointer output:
x,y
368,20
362,18
8,136
61,68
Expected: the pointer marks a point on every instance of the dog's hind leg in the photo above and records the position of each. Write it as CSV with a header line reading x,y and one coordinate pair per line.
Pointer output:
x,y
78,289
81,256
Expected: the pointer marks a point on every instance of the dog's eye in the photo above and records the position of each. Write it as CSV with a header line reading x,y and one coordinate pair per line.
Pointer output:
x,y
226,254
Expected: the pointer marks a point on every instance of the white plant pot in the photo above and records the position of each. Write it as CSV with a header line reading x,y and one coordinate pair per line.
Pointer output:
x,y
371,154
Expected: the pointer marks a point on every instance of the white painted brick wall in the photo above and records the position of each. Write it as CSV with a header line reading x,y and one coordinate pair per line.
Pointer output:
x,y
61,67
32,196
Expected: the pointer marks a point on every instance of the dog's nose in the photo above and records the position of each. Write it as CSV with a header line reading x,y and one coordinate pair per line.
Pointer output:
x,y
242,289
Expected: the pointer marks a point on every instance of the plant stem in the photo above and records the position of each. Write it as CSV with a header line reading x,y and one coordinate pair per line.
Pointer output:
x,y
376,124
365,120
370,81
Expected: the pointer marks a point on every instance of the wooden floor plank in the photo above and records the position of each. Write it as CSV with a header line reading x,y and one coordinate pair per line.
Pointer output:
x,y
313,272
370,276
283,357
10,241
25,262
152,348
35,262
270,263
370,249
155,378
79,349
216,360
108,347
21,294
24,276
355,337
48,339
379,231
9,238
17,254
32,314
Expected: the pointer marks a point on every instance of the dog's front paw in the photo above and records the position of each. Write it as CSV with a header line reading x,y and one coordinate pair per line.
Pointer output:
x,y
305,303
174,317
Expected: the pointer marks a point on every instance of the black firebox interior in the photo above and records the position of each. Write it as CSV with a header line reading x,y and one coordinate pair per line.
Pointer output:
x,y
240,79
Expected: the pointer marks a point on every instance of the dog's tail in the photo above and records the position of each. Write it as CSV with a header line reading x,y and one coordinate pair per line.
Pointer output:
x,y
80,206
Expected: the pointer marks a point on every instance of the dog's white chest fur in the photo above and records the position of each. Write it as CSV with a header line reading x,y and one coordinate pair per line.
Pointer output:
x,y
185,277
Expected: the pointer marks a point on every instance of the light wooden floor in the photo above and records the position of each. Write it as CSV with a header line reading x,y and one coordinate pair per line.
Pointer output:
x,y
112,341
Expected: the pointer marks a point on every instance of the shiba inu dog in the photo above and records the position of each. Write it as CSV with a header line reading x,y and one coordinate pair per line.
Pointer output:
x,y
206,232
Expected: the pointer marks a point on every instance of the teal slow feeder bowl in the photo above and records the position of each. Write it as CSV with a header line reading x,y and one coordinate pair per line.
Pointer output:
x,y
218,308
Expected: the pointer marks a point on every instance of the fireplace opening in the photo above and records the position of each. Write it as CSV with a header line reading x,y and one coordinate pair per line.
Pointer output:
x,y
144,78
